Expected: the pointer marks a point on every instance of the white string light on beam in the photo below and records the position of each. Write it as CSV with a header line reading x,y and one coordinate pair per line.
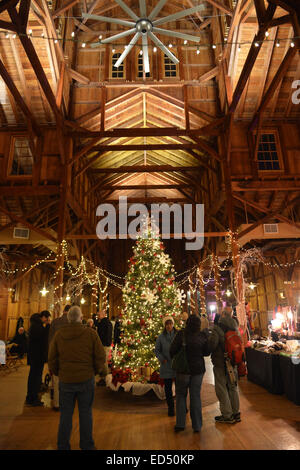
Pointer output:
x,y
84,44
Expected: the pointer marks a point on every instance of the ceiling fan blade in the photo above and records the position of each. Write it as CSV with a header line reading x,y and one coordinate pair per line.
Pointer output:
x,y
127,9
118,36
145,53
180,14
106,19
143,9
163,48
127,50
176,34
157,9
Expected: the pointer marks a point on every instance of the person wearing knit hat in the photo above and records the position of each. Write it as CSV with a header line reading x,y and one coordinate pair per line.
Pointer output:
x,y
168,318
162,352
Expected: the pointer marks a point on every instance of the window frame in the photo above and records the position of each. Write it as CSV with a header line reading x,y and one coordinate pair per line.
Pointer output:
x,y
278,151
164,56
13,139
137,66
117,51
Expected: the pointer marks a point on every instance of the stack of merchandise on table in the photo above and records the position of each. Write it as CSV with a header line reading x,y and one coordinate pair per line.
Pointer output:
x,y
282,346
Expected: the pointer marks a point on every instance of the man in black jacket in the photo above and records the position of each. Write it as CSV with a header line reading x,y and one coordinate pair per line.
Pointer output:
x,y
104,329
36,357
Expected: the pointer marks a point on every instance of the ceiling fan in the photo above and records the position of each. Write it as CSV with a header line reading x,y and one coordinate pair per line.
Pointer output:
x,y
145,26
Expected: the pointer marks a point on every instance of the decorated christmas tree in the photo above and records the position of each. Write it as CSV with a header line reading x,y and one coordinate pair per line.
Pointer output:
x,y
150,293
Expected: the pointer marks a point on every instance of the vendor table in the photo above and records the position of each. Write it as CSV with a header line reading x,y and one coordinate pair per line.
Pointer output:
x,y
290,374
264,370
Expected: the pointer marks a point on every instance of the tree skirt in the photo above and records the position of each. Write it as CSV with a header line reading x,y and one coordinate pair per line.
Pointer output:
x,y
137,388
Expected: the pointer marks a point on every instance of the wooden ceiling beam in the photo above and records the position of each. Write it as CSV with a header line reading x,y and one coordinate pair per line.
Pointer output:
x,y
119,187
251,58
142,147
274,84
27,224
151,131
88,164
266,185
18,97
66,6
144,169
36,65
207,148
280,21
24,8
95,237
267,211
221,6
45,190
5,4
8,26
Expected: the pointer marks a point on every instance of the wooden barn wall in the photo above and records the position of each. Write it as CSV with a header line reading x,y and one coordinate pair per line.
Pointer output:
x,y
241,157
272,290
24,300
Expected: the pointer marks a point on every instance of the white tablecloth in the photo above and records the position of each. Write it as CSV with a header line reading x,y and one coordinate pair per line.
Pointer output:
x,y
137,388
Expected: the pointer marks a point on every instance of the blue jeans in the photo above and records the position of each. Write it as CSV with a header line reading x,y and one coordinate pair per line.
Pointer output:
x,y
193,384
68,394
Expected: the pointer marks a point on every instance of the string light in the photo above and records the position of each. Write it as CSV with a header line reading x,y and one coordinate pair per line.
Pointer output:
x,y
198,50
214,46
44,291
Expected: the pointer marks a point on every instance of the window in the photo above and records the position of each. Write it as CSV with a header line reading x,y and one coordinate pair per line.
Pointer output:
x,y
268,153
117,72
170,67
22,159
140,67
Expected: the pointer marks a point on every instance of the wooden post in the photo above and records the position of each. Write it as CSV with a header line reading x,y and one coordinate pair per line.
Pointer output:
x,y
103,101
186,107
62,217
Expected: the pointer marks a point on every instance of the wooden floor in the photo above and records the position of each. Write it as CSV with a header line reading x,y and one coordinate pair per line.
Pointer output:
x,y
124,422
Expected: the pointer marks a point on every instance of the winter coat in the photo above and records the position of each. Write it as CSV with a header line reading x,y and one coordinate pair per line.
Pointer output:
x,y
21,340
105,331
76,354
196,348
162,352
37,341
216,339
117,332
56,325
